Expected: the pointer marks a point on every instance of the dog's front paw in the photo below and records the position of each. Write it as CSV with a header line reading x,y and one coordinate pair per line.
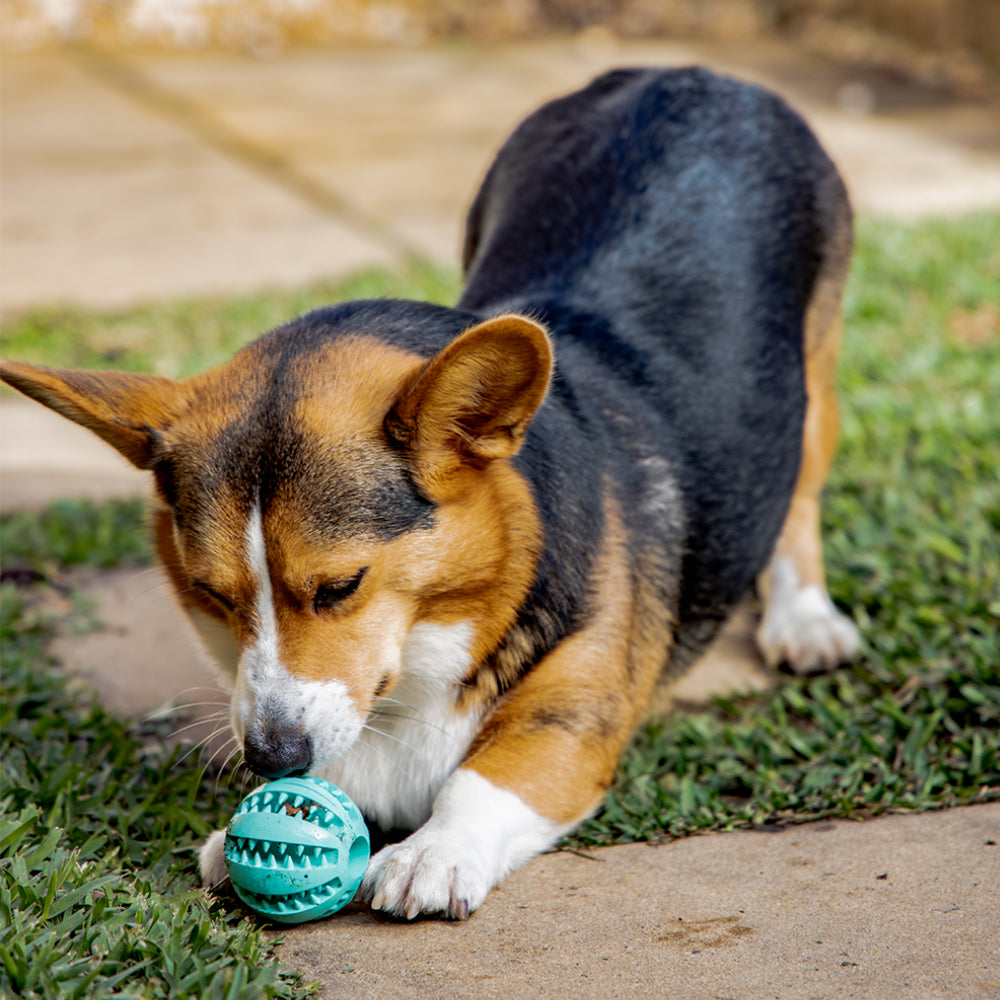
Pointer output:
x,y
478,833
212,860
807,632
423,875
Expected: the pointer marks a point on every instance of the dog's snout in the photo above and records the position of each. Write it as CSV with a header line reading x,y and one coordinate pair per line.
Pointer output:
x,y
277,753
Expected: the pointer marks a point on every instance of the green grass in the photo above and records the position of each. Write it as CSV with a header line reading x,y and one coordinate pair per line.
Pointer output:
x,y
72,534
180,338
99,825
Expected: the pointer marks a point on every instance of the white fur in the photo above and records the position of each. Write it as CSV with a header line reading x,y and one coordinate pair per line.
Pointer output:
x,y
212,859
264,686
477,834
662,497
801,626
415,738
266,647
411,744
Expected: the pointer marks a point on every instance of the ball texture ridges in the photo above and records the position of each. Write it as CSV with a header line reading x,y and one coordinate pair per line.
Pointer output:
x,y
296,849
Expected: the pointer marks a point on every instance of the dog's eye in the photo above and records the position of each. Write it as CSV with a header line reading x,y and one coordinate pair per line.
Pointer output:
x,y
214,595
329,595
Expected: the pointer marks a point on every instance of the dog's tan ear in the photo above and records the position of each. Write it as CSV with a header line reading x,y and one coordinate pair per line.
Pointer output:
x,y
123,409
472,402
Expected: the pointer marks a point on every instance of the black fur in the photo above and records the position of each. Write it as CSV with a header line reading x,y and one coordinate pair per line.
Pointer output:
x,y
668,226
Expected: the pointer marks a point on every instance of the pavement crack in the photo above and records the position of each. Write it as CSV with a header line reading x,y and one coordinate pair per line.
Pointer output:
x,y
128,80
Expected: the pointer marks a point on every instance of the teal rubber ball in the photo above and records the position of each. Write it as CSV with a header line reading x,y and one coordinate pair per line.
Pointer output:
x,y
296,849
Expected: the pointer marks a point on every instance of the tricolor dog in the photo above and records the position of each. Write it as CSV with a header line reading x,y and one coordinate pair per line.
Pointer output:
x,y
445,555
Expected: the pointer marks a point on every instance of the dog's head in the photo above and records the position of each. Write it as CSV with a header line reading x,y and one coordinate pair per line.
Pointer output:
x,y
322,502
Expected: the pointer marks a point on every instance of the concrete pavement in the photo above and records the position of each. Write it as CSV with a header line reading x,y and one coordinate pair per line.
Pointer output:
x,y
127,179
132,178
898,908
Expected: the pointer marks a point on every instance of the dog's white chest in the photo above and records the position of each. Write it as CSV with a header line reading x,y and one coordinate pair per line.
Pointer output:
x,y
414,738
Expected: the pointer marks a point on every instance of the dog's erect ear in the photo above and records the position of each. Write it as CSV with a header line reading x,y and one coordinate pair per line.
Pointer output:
x,y
472,402
123,409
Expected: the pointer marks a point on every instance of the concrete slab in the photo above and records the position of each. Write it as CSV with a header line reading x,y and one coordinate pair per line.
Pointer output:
x,y
128,178
408,134
902,906
44,457
106,203
145,662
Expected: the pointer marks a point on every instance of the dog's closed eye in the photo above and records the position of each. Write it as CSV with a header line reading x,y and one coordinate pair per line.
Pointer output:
x,y
329,595
223,602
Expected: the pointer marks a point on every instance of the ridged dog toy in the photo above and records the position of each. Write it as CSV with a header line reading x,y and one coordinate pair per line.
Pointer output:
x,y
296,849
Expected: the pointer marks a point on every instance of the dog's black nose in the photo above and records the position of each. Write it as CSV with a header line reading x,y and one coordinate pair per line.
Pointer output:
x,y
277,754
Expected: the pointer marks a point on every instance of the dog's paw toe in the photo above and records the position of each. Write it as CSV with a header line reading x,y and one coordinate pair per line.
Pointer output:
x,y
212,860
418,877
808,633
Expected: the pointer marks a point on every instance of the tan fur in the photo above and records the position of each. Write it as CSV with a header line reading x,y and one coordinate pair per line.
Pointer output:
x,y
462,413
119,407
441,416
577,708
800,536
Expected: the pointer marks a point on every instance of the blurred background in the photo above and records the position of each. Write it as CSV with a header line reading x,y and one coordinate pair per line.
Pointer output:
x,y
955,42
155,148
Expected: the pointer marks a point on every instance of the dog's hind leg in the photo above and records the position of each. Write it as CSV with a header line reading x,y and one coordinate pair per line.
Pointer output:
x,y
800,625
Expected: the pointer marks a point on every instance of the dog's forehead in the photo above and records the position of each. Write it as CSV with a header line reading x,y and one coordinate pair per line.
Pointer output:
x,y
299,433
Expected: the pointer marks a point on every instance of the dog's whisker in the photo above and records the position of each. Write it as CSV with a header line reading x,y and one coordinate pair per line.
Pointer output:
x,y
154,573
386,755
419,719
390,758
391,736
189,691
201,722
200,745
229,744
169,710
246,777
225,770
136,595
141,576
221,712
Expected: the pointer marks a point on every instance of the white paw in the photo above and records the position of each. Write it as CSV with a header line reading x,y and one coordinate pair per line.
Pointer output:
x,y
212,860
807,632
477,834
425,874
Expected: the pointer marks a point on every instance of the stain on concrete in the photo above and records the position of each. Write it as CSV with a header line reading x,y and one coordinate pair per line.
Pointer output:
x,y
715,932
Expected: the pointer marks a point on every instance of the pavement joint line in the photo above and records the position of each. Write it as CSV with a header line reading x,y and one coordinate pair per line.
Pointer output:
x,y
128,80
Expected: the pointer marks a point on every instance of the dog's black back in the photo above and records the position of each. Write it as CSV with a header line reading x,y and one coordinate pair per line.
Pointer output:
x,y
668,226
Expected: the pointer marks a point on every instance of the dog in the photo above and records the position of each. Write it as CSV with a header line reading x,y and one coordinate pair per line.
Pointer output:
x,y
444,556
